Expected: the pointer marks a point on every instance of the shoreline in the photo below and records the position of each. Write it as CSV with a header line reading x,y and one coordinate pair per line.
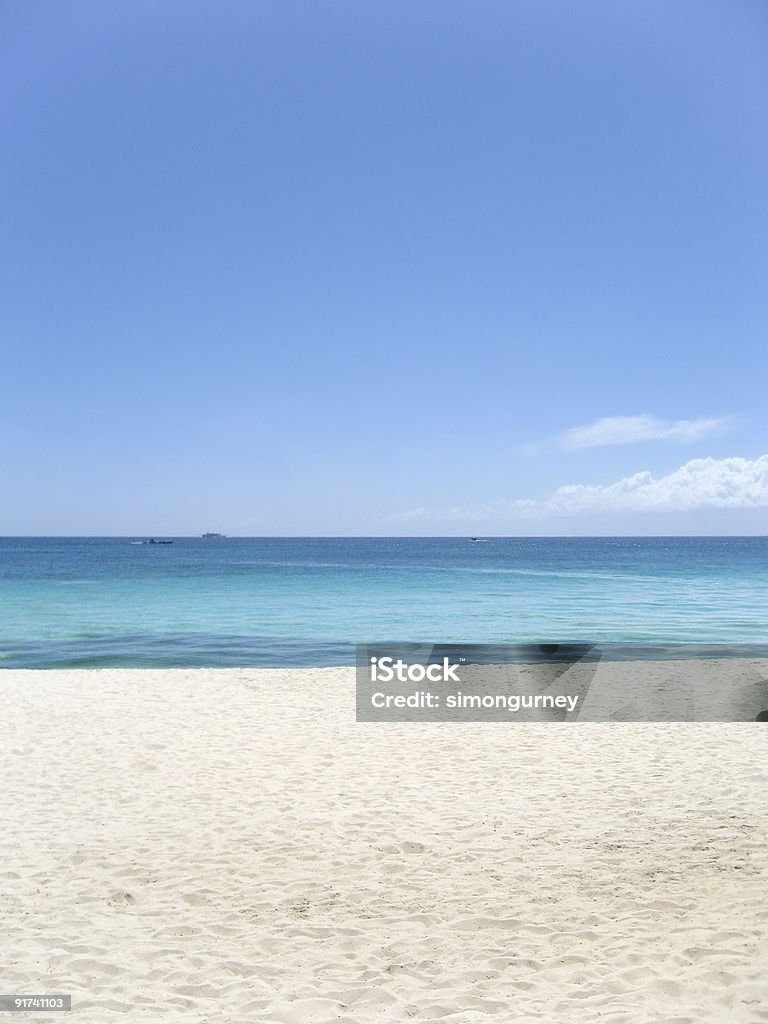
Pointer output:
x,y
515,653
229,844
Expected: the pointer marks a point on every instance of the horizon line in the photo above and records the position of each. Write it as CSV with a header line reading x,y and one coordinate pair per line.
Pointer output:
x,y
385,536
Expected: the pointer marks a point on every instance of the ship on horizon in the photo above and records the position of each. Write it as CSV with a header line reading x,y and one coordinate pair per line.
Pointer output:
x,y
214,536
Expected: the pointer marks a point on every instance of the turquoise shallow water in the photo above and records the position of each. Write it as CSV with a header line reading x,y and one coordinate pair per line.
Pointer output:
x,y
306,601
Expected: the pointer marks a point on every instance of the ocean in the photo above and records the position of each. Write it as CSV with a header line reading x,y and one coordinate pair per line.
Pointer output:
x,y
90,602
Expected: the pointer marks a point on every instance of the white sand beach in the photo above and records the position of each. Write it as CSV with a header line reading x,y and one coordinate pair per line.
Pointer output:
x,y
230,846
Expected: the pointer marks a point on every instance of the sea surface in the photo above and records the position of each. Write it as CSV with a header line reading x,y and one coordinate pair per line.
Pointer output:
x,y
307,601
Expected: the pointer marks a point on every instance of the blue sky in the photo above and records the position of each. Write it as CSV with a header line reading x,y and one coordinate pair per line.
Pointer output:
x,y
394,268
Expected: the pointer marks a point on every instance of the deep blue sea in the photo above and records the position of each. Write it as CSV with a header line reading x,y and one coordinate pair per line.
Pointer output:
x,y
307,601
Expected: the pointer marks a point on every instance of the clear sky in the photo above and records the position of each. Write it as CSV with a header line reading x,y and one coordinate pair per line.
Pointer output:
x,y
383,268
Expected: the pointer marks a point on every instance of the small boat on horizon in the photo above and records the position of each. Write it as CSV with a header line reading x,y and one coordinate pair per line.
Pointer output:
x,y
214,536
153,541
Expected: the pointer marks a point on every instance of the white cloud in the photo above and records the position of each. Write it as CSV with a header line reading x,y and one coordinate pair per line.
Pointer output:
x,y
699,484
631,429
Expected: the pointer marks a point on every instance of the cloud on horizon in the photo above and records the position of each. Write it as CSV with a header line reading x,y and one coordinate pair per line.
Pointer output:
x,y
733,483
699,484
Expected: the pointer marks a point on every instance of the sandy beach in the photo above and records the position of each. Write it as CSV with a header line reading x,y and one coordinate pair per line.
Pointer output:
x,y
231,846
